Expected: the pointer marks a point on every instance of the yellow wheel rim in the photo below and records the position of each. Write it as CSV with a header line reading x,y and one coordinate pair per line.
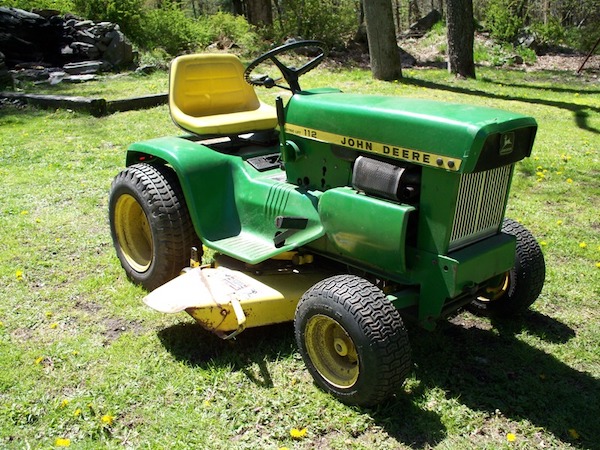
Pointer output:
x,y
493,293
331,351
133,233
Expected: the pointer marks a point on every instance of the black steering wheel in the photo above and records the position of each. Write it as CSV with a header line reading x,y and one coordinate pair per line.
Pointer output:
x,y
291,74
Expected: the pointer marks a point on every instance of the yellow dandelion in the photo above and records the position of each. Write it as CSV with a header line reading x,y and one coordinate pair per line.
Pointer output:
x,y
510,437
559,222
1,324
573,433
19,275
62,442
24,213
582,245
569,180
77,412
107,419
298,434
598,264
39,360
543,243
53,325
48,314
64,403
559,172
206,403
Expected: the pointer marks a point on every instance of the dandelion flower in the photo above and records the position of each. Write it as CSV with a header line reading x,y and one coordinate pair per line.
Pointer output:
x,y
510,437
77,412
39,359
107,419
543,243
206,403
559,222
48,314
62,442
19,275
24,213
54,325
64,403
298,434
582,245
573,433
569,180
598,264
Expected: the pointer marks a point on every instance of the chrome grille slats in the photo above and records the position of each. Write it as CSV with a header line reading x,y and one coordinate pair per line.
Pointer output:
x,y
480,205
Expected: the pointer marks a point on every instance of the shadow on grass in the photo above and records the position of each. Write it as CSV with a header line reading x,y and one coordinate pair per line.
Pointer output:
x,y
485,370
494,372
580,112
561,90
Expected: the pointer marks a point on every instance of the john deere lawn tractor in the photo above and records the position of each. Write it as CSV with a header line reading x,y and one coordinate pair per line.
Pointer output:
x,y
341,212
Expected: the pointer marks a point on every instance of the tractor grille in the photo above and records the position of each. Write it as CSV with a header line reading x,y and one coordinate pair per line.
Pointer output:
x,y
480,205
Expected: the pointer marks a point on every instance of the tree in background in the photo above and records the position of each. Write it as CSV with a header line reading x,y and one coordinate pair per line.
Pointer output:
x,y
381,35
461,37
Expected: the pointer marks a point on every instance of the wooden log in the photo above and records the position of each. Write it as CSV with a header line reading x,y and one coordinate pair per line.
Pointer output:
x,y
95,106
128,104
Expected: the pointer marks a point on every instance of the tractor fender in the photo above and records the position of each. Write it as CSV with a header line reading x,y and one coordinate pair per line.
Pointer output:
x,y
203,174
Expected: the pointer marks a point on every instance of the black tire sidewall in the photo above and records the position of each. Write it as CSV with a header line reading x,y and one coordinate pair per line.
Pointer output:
x,y
373,384
156,190
128,186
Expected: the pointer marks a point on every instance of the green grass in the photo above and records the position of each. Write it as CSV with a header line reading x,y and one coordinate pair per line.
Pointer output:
x,y
78,346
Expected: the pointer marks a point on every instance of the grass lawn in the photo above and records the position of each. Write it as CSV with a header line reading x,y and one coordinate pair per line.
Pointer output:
x,y
84,363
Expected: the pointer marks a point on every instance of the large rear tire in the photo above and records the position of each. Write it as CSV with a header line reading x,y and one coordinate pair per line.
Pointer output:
x,y
516,290
150,224
352,340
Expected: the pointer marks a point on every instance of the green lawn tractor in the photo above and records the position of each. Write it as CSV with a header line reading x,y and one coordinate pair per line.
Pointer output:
x,y
341,212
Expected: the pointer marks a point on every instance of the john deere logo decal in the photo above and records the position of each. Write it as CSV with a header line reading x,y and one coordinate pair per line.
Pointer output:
x,y
507,143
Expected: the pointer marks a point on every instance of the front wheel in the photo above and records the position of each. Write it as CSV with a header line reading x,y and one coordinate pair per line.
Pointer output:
x,y
517,289
150,224
352,340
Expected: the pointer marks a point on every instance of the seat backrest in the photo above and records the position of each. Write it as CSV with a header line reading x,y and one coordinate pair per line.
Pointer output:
x,y
209,84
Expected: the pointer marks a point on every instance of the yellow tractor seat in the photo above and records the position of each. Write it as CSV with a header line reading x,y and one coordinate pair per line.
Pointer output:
x,y
208,95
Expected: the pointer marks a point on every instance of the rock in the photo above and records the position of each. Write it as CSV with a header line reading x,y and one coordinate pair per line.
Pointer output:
x,y
120,51
424,24
52,40
85,67
6,79
406,59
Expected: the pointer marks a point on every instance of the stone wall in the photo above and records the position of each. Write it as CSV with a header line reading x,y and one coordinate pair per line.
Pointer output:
x,y
45,42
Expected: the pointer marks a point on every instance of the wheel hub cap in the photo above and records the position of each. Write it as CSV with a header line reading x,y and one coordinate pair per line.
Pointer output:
x,y
332,351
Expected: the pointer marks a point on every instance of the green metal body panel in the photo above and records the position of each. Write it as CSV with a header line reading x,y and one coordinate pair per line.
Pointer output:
x,y
439,247
364,230
233,206
412,130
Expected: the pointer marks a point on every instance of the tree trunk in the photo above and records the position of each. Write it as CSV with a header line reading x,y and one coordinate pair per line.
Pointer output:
x,y
259,12
461,36
381,35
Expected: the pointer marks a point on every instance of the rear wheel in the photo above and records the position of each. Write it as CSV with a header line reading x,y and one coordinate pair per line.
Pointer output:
x,y
352,340
517,289
150,224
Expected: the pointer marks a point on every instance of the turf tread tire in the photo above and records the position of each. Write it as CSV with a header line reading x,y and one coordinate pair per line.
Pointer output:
x,y
526,278
374,325
158,192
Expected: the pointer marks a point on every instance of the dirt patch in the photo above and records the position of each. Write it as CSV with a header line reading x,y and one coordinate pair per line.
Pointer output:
x,y
115,327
